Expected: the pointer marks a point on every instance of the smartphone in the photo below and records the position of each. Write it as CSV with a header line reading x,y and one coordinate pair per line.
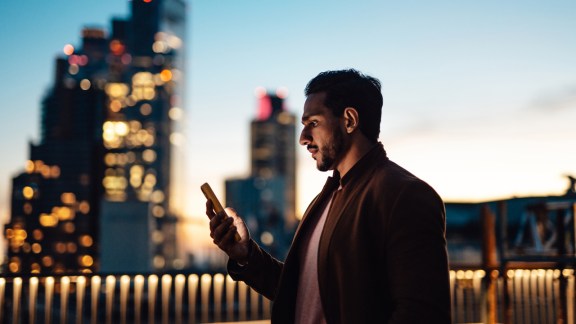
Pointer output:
x,y
209,194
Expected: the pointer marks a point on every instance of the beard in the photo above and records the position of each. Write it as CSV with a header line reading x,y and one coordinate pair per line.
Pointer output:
x,y
332,151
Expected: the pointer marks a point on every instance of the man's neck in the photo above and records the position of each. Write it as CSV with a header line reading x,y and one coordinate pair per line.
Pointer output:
x,y
360,146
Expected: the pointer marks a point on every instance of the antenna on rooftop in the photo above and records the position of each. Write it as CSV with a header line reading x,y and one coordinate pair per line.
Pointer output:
x,y
572,187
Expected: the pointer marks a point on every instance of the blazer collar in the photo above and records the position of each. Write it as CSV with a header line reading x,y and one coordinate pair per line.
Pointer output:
x,y
362,164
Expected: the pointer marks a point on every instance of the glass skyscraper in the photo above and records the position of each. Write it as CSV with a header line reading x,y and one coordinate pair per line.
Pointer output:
x,y
99,190
266,199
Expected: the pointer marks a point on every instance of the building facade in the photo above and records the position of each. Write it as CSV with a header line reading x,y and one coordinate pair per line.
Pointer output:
x,y
266,199
98,192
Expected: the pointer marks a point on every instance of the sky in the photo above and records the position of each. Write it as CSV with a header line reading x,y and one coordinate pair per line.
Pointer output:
x,y
479,96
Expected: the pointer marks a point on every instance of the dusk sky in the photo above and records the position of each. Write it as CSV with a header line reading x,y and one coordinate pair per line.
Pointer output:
x,y
479,96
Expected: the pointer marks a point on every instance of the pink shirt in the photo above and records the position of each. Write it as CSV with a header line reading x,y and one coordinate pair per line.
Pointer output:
x,y
308,304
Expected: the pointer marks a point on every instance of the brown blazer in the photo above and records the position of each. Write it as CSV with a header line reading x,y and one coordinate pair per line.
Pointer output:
x,y
382,254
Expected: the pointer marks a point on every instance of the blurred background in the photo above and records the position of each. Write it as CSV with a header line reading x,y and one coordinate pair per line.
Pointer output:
x,y
479,101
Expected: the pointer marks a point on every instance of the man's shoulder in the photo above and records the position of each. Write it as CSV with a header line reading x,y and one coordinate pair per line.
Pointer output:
x,y
390,176
389,171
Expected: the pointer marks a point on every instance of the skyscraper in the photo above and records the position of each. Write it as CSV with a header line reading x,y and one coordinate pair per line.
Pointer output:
x,y
98,192
266,199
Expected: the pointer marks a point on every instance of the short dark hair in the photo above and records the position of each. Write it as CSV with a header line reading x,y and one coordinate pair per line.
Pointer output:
x,y
351,88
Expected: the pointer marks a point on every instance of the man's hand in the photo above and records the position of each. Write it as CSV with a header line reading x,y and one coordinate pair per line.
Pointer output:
x,y
223,229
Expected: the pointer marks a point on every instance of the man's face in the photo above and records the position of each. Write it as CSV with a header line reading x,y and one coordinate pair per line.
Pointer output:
x,y
322,133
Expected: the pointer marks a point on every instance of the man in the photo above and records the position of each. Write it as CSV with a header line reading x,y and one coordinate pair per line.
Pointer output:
x,y
371,246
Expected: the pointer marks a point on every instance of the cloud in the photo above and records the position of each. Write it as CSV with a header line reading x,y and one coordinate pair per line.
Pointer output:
x,y
557,101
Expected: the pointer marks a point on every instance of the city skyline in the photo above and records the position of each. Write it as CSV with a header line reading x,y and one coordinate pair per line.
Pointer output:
x,y
479,98
108,154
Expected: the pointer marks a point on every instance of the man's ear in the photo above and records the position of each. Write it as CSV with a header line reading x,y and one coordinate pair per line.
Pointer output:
x,y
351,119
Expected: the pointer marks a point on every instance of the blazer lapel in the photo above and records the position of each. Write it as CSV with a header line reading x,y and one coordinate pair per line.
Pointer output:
x,y
343,197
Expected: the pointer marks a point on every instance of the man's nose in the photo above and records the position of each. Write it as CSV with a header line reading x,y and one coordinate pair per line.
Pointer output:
x,y
305,138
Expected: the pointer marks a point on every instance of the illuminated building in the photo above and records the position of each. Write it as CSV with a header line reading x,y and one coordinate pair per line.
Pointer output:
x,y
98,193
266,199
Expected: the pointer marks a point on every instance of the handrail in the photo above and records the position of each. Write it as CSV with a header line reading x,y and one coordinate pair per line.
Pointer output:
x,y
477,296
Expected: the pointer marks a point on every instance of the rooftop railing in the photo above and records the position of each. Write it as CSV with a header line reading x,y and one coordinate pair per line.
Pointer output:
x,y
110,299
517,296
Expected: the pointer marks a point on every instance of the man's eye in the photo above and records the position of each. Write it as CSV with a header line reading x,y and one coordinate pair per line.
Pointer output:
x,y
309,124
